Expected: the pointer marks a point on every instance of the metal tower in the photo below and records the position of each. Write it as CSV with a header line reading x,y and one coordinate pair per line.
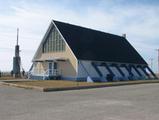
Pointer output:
x,y
16,59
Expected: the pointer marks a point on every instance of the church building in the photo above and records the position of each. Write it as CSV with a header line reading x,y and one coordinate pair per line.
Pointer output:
x,y
71,52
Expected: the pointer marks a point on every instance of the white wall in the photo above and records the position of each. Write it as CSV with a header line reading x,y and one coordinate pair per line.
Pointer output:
x,y
135,73
87,67
126,73
93,73
103,70
81,70
142,73
116,72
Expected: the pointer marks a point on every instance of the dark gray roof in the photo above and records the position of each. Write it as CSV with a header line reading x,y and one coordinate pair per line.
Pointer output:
x,y
88,44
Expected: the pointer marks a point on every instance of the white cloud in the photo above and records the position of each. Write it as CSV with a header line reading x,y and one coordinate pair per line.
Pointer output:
x,y
141,23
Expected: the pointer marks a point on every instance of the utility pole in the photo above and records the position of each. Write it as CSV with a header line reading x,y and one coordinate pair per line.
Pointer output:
x,y
158,58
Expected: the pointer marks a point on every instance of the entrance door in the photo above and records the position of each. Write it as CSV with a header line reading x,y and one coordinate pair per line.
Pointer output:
x,y
52,68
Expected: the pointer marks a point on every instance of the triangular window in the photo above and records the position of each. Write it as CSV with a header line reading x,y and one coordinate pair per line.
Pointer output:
x,y
54,42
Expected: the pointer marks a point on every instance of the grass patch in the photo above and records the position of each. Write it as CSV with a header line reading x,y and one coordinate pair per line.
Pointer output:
x,y
7,78
70,84
54,83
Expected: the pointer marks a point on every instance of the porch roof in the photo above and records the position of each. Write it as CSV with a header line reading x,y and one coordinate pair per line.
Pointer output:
x,y
50,59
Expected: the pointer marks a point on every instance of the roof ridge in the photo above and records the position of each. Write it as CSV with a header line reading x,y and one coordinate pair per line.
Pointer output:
x,y
87,28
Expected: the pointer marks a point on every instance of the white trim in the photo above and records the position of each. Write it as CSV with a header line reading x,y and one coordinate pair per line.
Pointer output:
x,y
68,46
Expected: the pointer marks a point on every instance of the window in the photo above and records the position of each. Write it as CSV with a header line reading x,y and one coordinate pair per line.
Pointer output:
x,y
54,42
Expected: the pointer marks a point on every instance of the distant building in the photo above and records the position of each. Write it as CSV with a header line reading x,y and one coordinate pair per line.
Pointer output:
x,y
72,52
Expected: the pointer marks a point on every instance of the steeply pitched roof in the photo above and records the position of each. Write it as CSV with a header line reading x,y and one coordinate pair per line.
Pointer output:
x,y
88,44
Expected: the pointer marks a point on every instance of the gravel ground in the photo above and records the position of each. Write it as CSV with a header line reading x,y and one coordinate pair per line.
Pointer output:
x,y
135,102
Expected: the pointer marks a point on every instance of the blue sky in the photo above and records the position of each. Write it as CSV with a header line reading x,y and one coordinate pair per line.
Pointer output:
x,y
139,19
